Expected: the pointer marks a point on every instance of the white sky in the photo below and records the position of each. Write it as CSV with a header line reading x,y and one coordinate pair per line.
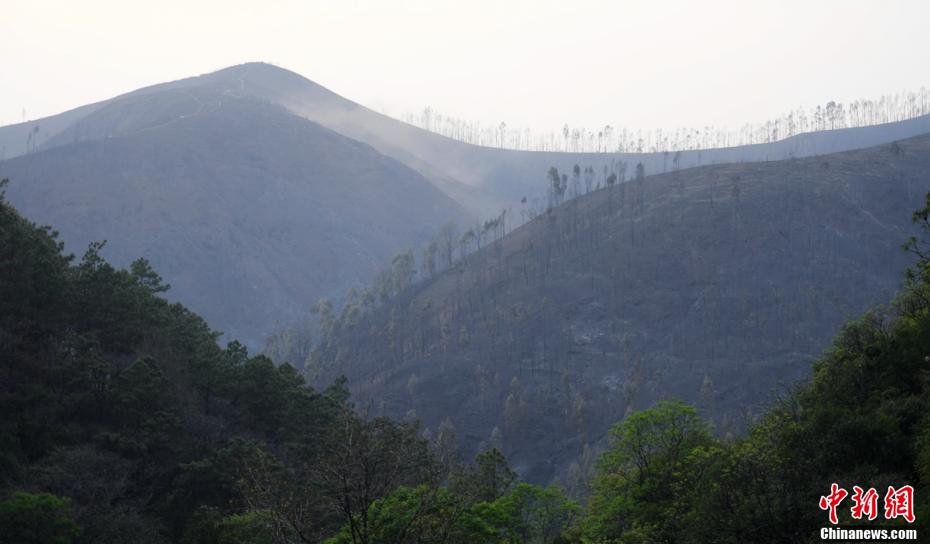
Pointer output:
x,y
529,63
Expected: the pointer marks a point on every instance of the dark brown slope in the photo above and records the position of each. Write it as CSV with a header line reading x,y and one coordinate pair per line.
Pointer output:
x,y
250,212
716,285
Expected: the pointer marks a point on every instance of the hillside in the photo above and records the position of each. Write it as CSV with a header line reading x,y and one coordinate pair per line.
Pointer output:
x,y
718,285
249,212
486,179
124,421
482,179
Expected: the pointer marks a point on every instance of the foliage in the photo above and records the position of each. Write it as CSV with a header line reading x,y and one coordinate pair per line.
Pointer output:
x,y
36,518
124,420
526,514
862,419
124,406
643,473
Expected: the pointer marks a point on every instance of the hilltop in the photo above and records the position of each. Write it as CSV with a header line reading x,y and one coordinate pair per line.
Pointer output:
x,y
250,212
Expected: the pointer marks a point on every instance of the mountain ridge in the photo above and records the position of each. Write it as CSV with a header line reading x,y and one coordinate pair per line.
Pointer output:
x,y
251,212
714,284
483,179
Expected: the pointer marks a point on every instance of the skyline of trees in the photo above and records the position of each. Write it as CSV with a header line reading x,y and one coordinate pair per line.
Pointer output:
x,y
610,138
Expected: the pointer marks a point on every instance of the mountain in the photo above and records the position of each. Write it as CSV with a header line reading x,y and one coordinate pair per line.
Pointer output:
x,y
485,180
250,212
717,285
124,421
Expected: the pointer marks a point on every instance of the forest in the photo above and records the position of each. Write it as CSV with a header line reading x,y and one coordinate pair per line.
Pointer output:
x,y
127,422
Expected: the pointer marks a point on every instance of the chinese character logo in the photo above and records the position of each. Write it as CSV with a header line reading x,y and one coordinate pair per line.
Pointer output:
x,y
898,503
865,504
832,501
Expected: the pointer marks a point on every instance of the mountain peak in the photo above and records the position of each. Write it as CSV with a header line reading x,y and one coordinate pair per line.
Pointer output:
x,y
264,79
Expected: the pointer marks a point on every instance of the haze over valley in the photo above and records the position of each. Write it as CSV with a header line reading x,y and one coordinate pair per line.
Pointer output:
x,y
243,307
264,257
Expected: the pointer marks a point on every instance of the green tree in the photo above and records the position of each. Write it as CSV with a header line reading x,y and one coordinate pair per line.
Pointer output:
x,y
531,514
37,518
639,476
489,478
146,276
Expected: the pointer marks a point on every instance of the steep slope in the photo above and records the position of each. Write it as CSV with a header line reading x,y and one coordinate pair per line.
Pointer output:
x,y
487,179
250,212
484,180
716,285
124,421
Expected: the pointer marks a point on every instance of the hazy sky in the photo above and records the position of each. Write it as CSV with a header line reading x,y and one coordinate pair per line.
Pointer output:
x,y
533,63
